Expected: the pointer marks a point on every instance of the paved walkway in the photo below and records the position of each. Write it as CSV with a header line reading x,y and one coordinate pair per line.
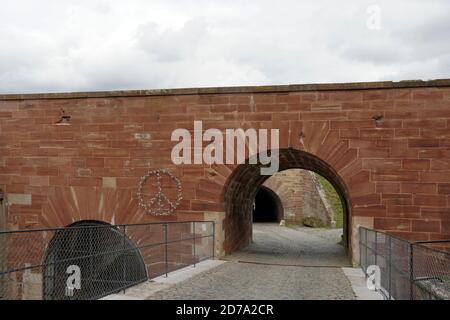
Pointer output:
x,y
241,281
301,246
281,263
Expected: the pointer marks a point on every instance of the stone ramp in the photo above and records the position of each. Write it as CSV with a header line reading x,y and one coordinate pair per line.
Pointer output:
x,y
279,245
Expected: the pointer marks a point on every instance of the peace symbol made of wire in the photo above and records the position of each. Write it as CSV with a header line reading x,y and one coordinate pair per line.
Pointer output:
x,y
159,204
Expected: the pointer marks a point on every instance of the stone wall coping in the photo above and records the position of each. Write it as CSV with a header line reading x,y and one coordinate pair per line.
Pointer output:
x,y
232,90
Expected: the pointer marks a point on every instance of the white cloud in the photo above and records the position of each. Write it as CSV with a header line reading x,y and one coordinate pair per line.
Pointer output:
x,y
51,45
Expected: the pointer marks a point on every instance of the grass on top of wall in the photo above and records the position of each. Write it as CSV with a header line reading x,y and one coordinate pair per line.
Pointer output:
x,y
333,200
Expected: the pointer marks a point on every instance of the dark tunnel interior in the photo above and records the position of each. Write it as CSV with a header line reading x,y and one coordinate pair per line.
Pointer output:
x,y
267,206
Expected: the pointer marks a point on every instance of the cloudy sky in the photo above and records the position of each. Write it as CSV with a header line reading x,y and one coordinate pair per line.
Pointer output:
x,y
88,45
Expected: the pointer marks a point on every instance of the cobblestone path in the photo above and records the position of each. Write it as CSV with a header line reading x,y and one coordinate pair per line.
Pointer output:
x,y
300,246
281,263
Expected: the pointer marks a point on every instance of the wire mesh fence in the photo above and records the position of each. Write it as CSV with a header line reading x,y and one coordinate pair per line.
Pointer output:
x,y
431,270
407,270
89,260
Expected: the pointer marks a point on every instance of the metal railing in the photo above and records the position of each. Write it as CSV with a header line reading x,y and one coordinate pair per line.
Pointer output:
x,y
90,260
408,270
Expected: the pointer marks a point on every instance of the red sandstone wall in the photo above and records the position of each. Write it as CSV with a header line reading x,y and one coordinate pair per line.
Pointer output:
x,y
397,172
299,195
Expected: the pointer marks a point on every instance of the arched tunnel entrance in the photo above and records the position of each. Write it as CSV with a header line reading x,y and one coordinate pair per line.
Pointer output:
x,y
267,206
107,260
245,182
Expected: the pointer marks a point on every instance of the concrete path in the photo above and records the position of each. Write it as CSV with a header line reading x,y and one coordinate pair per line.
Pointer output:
x,y
359,285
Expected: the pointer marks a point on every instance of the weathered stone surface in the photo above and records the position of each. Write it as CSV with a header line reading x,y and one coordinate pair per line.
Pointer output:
x,y
109,182
299,195
18,198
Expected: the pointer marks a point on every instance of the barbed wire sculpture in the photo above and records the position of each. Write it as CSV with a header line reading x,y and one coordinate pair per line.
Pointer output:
x,y
159,204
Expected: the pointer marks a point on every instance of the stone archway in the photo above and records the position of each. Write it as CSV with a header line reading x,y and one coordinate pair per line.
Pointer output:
x,y
107,259
245,181
68,205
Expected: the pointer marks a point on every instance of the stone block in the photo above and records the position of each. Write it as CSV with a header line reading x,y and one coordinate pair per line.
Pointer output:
x,y
109,182
19,198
